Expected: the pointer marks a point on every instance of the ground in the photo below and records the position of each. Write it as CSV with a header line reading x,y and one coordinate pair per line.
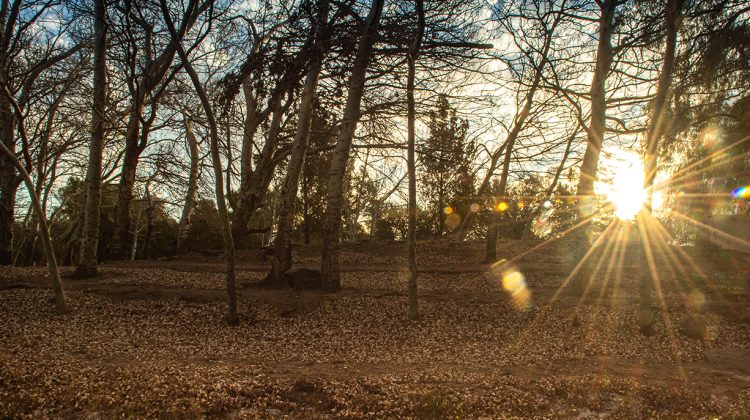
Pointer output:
x,y
148,339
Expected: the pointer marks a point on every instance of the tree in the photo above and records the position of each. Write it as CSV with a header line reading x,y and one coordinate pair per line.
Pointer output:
x,y
447,158
596,128
269,77
54,273
331,280
314,173
193,7
192,190
411,236
87,260
659,111
283,242
537,64
148,77
25,57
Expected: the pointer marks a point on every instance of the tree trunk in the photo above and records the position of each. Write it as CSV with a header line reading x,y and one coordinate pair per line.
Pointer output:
x,y
221,204
646,318
149,221
411,235
121,237
87,262
54,273
332,232
490,254
305,211
187,209
597,127
656,125
9,182
510,142
596,131
283,243
252,196
23,246
440,209
241,210
134,233
264,170
136,136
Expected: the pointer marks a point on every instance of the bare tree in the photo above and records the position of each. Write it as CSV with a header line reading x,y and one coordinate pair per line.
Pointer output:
x,y
54,273
87,260
283,243
20,70
331,276
548,31
187,209
221,204
597,126
411,236
146,87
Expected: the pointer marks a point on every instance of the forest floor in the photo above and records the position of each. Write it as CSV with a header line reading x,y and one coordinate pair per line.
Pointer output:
x,y
148,339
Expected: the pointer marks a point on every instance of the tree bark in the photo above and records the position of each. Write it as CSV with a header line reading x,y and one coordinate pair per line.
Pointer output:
x,y
134,233
305,211
654,134
253,196
149,221
250,125
656,125
187,209
283,243
597,127
596,131
87,262
121,237
54,274
221,204
331,279
411,233
9,182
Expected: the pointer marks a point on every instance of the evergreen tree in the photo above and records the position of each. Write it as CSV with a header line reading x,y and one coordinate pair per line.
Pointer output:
x,y
446,157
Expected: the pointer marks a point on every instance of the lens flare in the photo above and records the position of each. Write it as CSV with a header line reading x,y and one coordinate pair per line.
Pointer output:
x,y
474,208
452,221
742,192
448,210
502,206
514,283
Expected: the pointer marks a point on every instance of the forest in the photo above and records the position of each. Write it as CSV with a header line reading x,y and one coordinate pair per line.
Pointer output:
x,y
374,209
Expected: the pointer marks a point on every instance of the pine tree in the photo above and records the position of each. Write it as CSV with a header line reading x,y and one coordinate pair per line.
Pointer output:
x,y
446,157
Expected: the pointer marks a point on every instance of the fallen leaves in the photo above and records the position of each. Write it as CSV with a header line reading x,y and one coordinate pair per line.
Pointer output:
x,y
353,354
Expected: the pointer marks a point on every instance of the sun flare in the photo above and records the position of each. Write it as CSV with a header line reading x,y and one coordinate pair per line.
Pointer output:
x,y
622,184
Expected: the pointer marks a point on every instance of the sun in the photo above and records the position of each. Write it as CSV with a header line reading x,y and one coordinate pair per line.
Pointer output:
x,y
621,182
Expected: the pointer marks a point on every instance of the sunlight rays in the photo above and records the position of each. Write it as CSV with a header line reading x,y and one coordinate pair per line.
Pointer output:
x,y
581,264
711,229
634,249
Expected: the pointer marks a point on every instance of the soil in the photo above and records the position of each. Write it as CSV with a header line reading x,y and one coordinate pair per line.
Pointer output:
x,y
146,338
